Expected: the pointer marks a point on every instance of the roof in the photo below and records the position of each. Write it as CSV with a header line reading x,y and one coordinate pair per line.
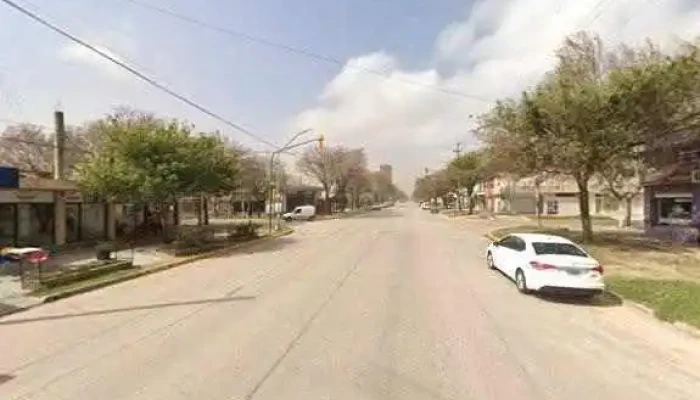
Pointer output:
x,y
541,237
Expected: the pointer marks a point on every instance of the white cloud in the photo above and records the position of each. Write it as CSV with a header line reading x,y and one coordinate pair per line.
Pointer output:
x,y
500,48
76,53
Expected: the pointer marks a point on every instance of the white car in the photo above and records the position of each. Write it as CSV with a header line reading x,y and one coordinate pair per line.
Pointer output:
x,y
546,263
306,213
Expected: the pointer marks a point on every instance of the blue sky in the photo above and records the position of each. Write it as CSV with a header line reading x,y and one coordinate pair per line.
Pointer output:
x,y
491,48
247,82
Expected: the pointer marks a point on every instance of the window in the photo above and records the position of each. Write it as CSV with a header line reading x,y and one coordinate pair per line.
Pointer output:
x,y
552,207
563,249
297,211
675,210
35,224
7,224
513,243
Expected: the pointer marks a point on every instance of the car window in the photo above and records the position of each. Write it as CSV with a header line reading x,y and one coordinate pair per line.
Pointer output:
x,y
563,249
297,211
510,242
519,244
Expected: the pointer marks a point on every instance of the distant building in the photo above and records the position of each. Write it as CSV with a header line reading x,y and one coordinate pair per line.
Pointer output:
x,y
386,170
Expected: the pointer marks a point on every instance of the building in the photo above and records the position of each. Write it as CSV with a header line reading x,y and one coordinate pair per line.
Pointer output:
x,y
29,207
387,171
506,194
672,197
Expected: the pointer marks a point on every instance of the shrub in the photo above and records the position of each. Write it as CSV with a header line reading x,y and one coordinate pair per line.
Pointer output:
x,y
66,277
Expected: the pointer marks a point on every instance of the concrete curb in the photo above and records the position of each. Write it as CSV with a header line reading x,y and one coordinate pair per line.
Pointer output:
x,y
681,326
152,270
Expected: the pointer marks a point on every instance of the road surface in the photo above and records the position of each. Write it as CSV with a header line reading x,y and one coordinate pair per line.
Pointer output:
x,y
394,305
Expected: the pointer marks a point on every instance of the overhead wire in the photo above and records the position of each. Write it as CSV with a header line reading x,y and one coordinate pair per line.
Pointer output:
x,y
136,72
300,51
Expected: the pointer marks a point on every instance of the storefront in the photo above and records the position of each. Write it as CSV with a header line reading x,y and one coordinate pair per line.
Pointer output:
x,y
27,218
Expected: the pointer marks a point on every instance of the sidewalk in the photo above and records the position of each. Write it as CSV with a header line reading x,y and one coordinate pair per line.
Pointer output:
x,y
12,296
151,259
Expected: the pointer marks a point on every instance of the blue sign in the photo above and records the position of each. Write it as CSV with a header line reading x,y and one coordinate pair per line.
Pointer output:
x,y
9,177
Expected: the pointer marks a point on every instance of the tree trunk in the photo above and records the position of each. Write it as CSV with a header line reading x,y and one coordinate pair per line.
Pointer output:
x,y
327,200
176,212
585,210
627,222
538,203
198,210
205,210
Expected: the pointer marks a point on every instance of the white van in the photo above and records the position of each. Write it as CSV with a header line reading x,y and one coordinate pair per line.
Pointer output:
x,y
306,213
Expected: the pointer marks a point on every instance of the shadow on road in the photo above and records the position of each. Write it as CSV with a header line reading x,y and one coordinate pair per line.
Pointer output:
x,y
128,309
5,378
605,299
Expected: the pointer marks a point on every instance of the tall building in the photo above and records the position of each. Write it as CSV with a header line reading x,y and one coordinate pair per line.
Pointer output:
x,y
386,170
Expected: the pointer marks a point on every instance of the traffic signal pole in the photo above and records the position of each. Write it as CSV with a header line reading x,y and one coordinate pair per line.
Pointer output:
x,y
273,184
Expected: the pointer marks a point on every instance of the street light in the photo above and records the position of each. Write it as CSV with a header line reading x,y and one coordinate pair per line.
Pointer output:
x,y
287,146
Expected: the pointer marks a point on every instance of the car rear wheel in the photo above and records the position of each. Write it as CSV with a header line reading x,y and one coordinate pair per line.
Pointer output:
x,y
489,261
520,282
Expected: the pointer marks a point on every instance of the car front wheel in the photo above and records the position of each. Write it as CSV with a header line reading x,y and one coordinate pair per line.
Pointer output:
x,y
489,261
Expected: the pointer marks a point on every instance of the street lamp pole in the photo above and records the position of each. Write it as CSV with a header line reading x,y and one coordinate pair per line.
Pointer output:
x,y
273,184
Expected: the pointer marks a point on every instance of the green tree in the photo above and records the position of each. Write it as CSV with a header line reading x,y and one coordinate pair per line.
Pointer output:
x,y
148,160
466,171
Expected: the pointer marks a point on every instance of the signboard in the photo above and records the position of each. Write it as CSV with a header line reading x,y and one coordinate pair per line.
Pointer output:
x,y
25,196
9,177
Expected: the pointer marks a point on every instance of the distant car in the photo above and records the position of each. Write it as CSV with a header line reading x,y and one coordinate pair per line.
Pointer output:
x,y
425,205
546,263
376,207
304,213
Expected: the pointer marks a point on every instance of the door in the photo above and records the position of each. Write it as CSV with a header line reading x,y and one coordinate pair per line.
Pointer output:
x,y
510,253
502,253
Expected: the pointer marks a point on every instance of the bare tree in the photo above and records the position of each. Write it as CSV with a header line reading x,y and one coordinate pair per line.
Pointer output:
x,y
322,165
351,167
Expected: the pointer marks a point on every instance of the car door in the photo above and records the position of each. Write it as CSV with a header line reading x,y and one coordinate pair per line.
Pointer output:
x,y
518,255
502,253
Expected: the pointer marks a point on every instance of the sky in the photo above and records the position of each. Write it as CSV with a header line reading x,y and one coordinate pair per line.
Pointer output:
x,y
405,79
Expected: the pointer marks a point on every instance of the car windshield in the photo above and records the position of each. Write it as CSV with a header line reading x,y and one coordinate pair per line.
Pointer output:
x,y
564,249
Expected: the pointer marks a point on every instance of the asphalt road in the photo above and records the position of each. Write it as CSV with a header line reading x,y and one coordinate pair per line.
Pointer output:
x,y
394,305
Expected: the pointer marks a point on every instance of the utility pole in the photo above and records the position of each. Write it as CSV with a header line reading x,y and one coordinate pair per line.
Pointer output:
x,y
458,152
59,145
271,176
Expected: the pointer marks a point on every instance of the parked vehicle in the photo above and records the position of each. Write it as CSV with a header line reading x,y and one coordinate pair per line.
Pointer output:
x,y
546,263
304,213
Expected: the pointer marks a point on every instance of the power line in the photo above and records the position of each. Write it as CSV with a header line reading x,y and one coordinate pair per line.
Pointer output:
x,y
135,72
299,51
600,10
